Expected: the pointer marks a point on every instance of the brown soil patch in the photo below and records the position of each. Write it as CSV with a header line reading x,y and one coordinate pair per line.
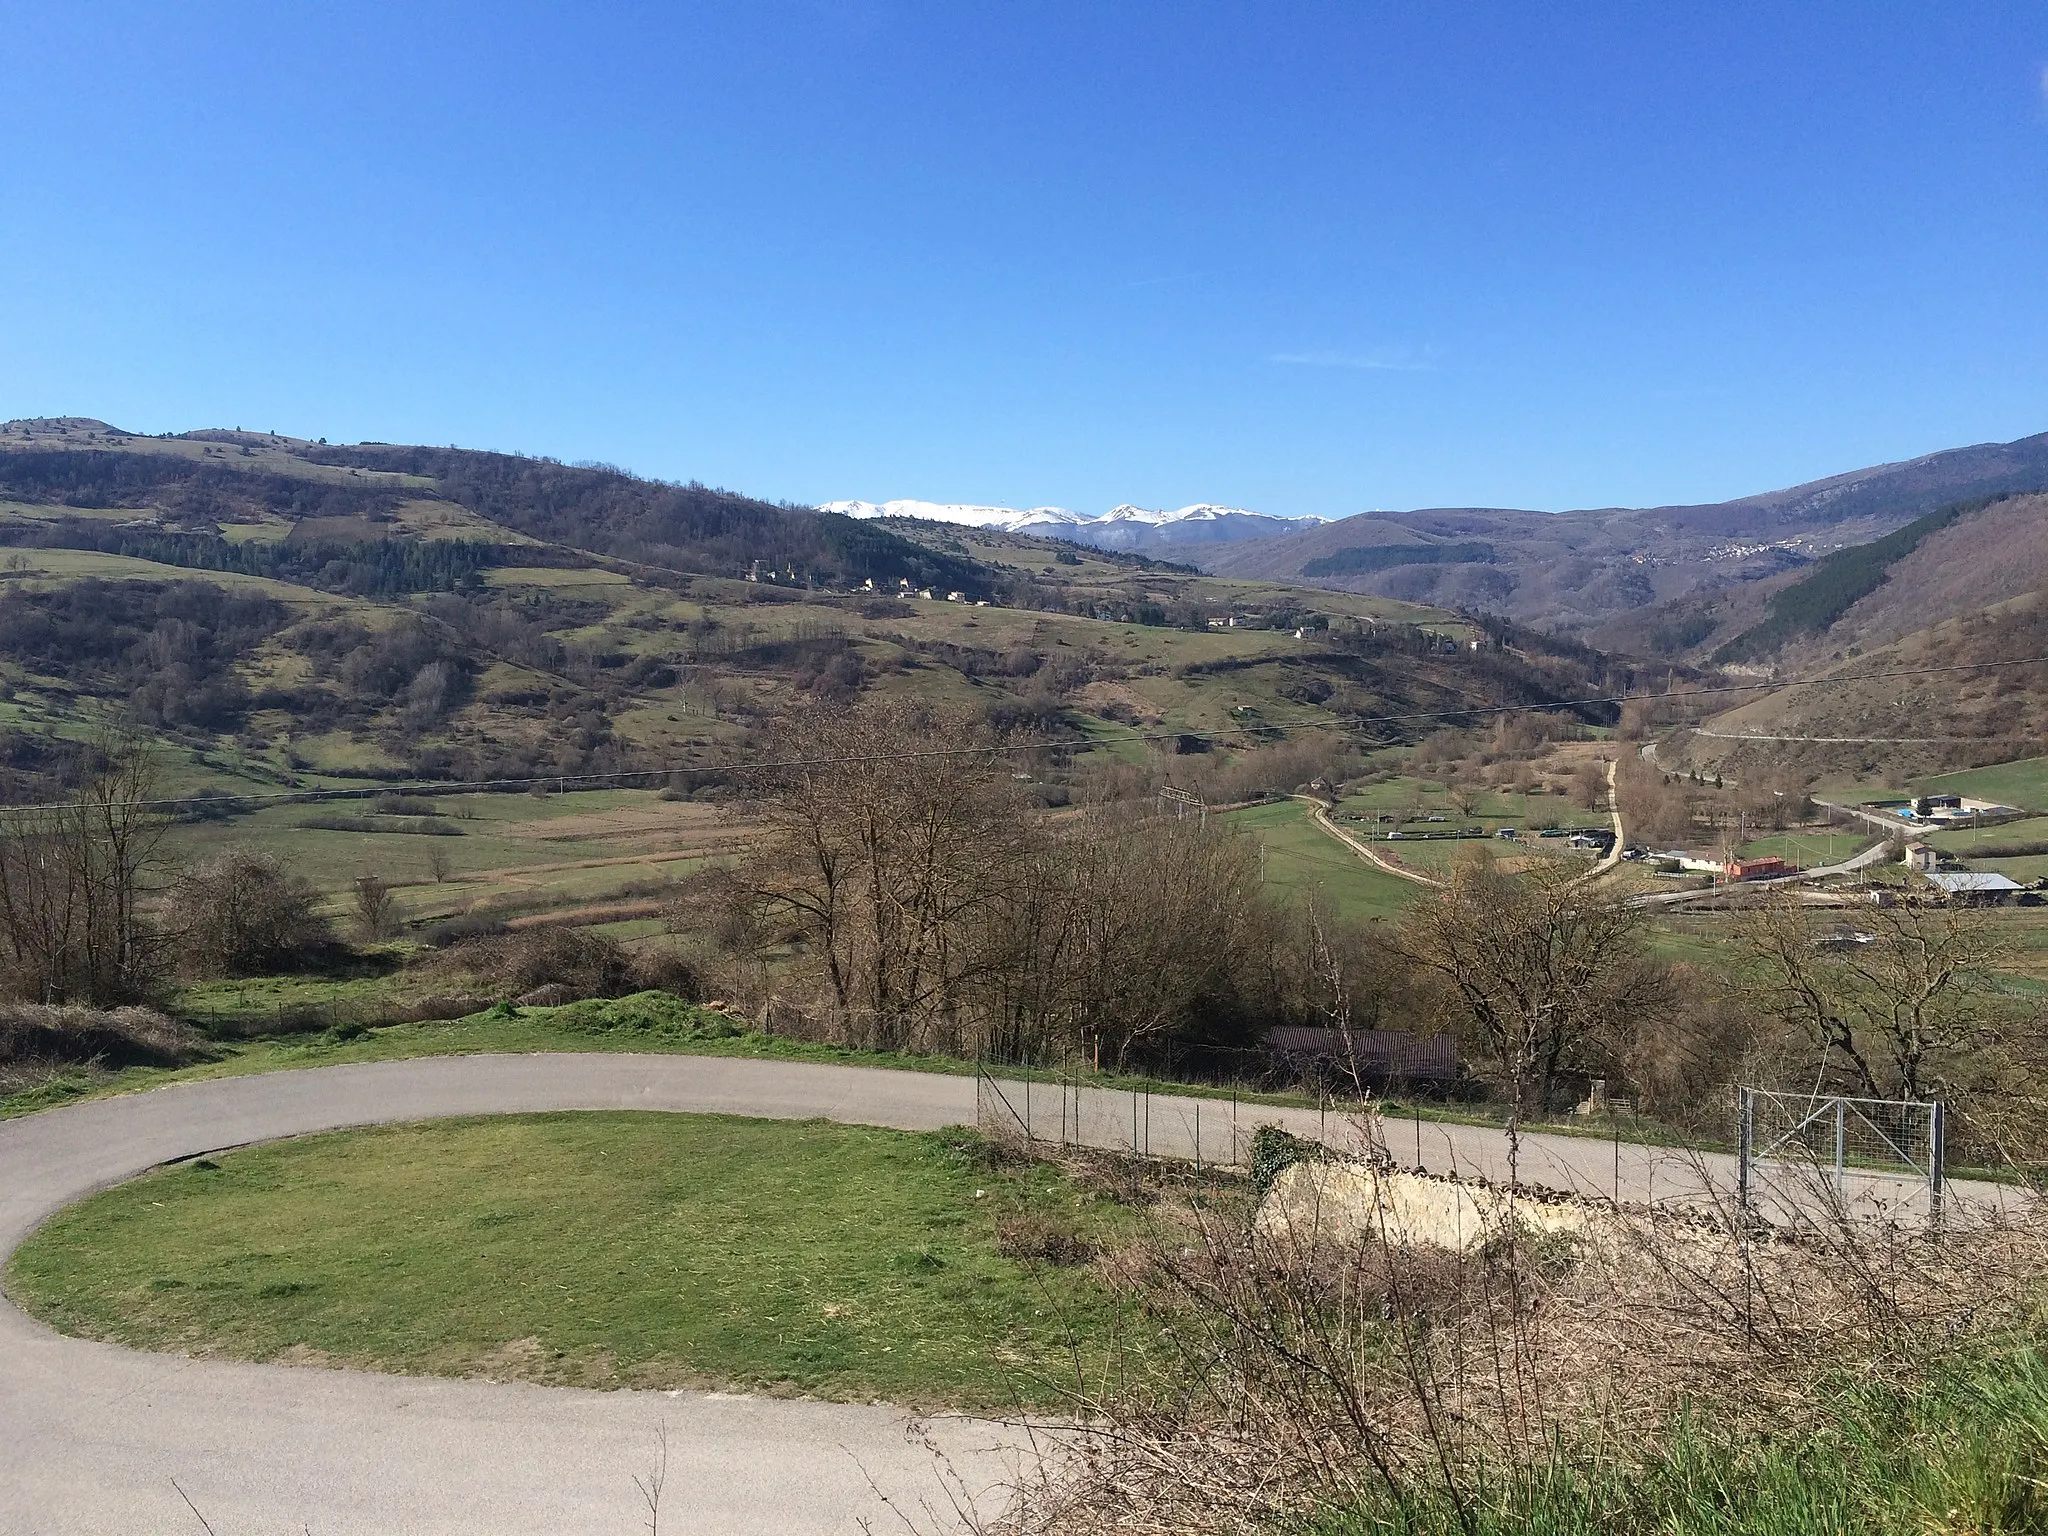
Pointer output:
x,y
1097,696
660,817
586,917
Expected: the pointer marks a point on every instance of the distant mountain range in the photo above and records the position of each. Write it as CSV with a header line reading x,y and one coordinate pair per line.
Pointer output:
x,y
1142,530
1631,578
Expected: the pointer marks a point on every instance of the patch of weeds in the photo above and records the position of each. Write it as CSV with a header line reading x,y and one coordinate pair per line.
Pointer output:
x,y
1044,1238
658,1014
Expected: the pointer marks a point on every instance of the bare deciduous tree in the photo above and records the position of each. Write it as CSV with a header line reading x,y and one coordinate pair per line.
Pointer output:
x,y
1538,972
932,904
72,886
241,914
1901,1005
376,910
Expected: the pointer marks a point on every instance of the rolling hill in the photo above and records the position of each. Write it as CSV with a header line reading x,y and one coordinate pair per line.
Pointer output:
x,y
1630,578
298,614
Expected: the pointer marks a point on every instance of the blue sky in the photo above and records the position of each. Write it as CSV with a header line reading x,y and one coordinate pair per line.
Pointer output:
x,y
1298,257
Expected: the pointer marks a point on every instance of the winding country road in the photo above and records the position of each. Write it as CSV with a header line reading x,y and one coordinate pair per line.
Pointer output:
x,y
92,1436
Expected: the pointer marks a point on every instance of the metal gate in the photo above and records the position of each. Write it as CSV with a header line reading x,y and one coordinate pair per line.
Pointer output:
x,y
1884,1153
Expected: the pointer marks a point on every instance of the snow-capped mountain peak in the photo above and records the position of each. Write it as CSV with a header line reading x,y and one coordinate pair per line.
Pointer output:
x,y
1008,519
1122,527
1200,512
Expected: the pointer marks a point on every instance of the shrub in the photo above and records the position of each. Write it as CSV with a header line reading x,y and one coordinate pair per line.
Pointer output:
x,y
1274,1151
1036,1236
121,1037
648,1013
586,964
465,929
241,914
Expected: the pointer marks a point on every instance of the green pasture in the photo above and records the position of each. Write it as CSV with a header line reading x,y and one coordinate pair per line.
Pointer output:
x,y
549,576
1300,860
2023,783
74,564
1417,796
1961,840
605,1249
506,836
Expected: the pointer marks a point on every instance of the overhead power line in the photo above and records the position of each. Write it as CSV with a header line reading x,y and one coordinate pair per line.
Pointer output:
x,y
1004,749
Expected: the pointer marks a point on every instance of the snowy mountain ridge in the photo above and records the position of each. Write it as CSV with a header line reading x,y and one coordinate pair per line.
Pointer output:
x,y
1122,527
1008,519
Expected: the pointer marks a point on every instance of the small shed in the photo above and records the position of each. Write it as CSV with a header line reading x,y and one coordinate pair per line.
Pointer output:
x,y
1374,1055
1920,858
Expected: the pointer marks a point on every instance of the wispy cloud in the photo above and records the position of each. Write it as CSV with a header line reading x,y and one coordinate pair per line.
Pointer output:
x,y
1383,359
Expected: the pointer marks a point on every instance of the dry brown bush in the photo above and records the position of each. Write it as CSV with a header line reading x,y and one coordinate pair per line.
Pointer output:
x,y
241,913
37,1039
1288,1373
575,961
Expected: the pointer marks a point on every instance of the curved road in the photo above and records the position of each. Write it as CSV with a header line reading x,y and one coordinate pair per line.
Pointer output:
x,y
92,1436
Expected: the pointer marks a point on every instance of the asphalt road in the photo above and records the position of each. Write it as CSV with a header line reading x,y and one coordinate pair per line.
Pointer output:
x,y
93,1438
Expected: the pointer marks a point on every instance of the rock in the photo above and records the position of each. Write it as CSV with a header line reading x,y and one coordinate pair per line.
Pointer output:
x,y
1341,1200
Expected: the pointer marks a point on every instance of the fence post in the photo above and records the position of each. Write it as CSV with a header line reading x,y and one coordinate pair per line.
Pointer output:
x,y
1937,1160
1745,1141
1027,1111
1198,1135
1841,1146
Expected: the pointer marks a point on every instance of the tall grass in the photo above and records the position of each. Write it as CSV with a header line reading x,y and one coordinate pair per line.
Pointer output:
x,y
1965,1452
1682,1375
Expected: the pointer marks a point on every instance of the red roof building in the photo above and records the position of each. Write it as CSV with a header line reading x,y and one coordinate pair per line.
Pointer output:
x,y
1757,869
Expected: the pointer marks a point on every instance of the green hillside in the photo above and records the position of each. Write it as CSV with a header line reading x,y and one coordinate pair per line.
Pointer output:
x,y
291,619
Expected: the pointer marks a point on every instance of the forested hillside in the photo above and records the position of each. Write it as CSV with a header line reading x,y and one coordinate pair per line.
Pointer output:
x,y
300,614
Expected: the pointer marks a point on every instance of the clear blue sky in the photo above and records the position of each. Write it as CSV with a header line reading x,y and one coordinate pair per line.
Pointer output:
x,y
1299,257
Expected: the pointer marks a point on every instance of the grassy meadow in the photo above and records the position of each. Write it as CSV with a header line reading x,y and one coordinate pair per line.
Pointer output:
x,y
1301,860
604,1249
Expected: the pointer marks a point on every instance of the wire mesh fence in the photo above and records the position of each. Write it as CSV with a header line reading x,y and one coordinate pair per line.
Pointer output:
x,y
1064,1110
1849,1152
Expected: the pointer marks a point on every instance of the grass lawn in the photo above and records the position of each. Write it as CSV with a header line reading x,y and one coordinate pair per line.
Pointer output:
x,y
599,1249
1963,840
1301,859
1491,807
